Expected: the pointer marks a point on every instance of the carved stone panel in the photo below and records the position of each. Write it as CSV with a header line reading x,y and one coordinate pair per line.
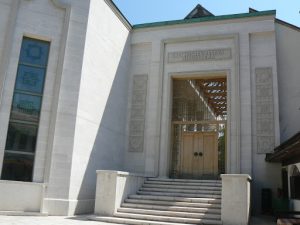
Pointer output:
x,y
200,55
264,110
137,116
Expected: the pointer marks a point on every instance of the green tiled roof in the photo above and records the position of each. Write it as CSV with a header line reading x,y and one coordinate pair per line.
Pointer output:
x,y
205,19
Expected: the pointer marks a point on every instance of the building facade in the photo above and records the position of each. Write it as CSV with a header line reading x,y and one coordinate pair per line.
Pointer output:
x,y
81,90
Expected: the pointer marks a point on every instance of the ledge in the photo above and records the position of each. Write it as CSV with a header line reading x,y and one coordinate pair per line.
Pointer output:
x,y
246,176
22,183
121,173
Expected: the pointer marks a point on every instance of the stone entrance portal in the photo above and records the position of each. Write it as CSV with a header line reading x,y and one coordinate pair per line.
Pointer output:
x,y
199,127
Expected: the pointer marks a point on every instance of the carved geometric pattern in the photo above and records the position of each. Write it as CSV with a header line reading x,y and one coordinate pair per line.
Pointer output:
x,y
264,110
137,116
200,55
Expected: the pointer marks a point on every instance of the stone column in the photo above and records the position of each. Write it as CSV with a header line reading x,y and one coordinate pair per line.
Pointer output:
x,y
112,189
235,199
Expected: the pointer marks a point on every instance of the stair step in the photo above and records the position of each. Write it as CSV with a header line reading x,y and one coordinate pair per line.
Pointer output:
x,y
170,204
151,189
184,187
202,209
185,184
167,218
175,198
175,194
170,213
185,180
130,221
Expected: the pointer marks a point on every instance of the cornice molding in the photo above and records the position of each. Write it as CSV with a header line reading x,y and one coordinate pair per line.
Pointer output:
x,y
64,4
119,14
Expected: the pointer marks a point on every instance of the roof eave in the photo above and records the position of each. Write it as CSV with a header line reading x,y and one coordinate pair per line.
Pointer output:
x,y
205,19
119,14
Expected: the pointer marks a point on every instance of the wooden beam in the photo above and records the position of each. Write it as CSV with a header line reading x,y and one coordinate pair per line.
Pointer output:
x,y
217,94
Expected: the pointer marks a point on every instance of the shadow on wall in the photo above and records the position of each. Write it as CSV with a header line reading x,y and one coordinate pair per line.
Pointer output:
x,y
109,145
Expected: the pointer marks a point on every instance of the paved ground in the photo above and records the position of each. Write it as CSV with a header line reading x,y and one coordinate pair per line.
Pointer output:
x,y
80,220
47,220
262,220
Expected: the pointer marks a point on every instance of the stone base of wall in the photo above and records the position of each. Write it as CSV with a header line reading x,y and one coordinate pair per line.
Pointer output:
x,y
67,207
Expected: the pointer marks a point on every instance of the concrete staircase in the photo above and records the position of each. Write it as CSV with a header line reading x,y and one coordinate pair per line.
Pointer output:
x,y
171,201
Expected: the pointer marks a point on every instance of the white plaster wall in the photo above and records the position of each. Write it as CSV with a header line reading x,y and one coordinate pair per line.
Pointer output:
x,y
5,13
5,9
140,64
99,141
265,175
288,54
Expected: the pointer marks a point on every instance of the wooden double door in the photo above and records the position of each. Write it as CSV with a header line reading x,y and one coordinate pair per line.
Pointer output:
x,y
199,155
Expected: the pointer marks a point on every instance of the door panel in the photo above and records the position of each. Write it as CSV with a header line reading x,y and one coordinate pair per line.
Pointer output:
x,y
187,154
199,154
210,157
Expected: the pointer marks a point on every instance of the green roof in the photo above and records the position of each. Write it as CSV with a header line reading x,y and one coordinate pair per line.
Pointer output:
x,y
205,19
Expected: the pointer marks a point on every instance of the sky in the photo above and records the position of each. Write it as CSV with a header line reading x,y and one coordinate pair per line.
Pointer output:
x,y
147,11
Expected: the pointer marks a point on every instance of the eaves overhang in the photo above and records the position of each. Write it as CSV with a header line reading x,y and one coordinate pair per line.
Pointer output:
x,y
205,19
287,153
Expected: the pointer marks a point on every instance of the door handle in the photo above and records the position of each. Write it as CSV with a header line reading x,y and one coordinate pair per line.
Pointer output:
x,y
200,154
196,154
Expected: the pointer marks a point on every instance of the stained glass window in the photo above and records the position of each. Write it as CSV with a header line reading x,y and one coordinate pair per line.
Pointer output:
x,y
25,112
30,79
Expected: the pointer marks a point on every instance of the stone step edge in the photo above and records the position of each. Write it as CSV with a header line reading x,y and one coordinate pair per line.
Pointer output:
x,y
174,198
166,218
172,208
176,194
187,191
181,187
186,184
188,215
108,219
184,180
174,203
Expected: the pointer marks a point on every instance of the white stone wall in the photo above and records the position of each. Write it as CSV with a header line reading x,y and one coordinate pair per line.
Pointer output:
x,y
140,65
26,200
5,12
84,110
288,54
64,112
99,141
265,175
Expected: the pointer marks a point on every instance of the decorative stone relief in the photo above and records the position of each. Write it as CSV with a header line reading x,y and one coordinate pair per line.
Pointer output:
x,y
264,110
137,116
200,55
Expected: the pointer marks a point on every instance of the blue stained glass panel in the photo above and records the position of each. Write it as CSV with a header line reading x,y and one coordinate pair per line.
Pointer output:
x,y
34,52
26,107
17,167
30,79
21,137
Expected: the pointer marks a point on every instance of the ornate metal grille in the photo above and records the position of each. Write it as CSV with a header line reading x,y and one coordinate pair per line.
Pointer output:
x,y
199,105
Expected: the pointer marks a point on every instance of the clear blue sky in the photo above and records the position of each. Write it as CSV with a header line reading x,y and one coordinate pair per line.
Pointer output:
x,y
145,11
